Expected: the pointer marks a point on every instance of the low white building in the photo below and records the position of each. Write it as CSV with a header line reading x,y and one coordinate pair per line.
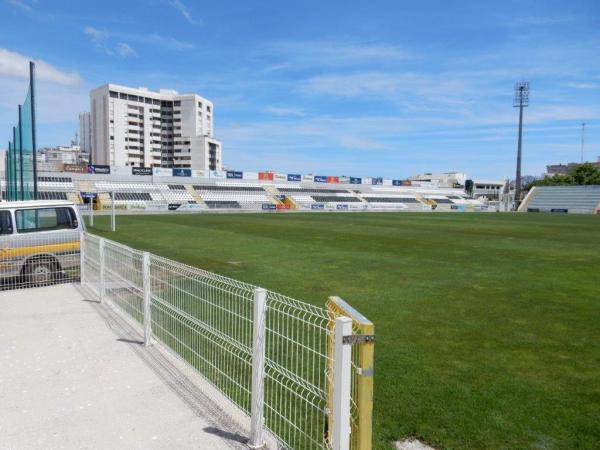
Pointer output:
x,y
446,179
141,128
489,189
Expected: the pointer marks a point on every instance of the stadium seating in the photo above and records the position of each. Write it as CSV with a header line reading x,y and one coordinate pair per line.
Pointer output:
x,y
571,199
169,193
239,196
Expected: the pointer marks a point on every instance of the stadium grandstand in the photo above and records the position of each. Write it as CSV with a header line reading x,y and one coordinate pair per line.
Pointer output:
x,y
231,191
563,199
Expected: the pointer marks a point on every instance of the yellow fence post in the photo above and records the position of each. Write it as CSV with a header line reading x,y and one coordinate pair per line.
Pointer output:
x,y
363,360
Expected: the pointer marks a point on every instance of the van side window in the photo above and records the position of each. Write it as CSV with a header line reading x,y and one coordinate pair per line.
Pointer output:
x,y
44,219
5,223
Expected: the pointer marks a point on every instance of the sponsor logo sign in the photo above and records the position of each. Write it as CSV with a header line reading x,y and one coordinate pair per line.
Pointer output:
x,y
341,207
162,172
282,206
141,171
317,206
397,182
234,174
265,176
100,169
354,180
280,177
333,179
294,177
174,206
75,168
268,206
182,172
320,179
308,178
377,181
217,174
344,179
88,195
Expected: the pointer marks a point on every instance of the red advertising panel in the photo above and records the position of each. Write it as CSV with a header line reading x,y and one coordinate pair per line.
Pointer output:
x,y
333,179
283,206
265,176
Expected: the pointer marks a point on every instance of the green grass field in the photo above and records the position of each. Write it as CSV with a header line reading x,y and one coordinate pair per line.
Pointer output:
x,y
488,325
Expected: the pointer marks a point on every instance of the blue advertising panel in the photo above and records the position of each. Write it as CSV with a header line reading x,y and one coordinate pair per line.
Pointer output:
x,y
90,195
341,206
354,180
320,179
294,177
397,182
268,206
182,172
235,174
97,168
280,197
317,206
377,180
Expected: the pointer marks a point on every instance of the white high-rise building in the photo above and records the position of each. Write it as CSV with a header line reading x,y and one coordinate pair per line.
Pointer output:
x,y
85,132
142,128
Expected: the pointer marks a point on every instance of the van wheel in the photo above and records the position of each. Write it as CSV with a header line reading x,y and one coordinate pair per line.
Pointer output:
x,y
41,273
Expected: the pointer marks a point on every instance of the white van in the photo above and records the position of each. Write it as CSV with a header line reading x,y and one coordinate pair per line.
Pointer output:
x,y
39,242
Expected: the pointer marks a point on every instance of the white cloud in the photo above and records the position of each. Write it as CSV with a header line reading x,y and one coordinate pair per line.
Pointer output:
x,y
583,85
334,53
21,4
101,39
104,40
17,65
124,50
182,9
284,111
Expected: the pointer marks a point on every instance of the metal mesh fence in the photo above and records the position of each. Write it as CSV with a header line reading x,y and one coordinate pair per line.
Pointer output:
x,y
207,320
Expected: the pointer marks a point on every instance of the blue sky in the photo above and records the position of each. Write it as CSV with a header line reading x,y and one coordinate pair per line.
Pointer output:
x,y
378,88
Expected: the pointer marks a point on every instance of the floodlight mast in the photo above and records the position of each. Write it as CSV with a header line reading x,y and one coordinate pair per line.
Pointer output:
x,y
521,101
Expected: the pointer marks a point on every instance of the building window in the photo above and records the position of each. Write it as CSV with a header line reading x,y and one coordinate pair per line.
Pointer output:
x,y
123,96
113,94
177,103
148,100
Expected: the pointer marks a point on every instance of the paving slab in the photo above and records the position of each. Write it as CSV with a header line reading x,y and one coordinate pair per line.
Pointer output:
x,y
73,376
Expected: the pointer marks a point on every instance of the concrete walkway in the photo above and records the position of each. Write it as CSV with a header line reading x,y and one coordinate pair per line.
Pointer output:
x,y
73,375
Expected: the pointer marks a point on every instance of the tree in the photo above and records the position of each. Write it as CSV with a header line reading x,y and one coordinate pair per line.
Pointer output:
x,y
582,174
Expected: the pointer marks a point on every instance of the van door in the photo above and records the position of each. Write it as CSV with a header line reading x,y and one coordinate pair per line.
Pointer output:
x,y
49,239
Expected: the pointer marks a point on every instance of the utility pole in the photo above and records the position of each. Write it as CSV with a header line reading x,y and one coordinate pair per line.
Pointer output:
x,y
521,100
582,140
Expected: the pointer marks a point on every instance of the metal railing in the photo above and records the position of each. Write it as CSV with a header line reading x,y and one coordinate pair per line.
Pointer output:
x,y
291,366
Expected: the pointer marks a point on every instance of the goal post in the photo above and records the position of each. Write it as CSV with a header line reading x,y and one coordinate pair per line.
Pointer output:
x,y
362,341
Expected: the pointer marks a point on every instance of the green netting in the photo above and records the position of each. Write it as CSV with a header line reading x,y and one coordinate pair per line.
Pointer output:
x,y
20,172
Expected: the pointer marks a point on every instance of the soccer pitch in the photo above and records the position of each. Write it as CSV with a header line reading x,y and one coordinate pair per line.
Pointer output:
x,y
487,325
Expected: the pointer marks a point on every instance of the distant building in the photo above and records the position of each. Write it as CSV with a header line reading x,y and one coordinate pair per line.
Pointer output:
x,y
446,179
489,189
62,154
85,132
141,128
563,169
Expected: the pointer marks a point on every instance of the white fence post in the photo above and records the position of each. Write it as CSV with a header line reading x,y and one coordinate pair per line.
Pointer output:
x,y
81,257
342,371
147,298
102,268
113,224
258,369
